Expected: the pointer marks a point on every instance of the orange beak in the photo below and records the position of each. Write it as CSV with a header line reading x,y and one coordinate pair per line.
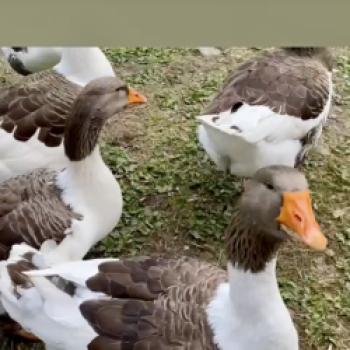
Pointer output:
x,y
135,97
299,219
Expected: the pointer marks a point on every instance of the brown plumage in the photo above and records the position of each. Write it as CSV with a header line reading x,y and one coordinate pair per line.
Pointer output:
x,y
289,81
159,304
43,102
97,102
250,251
32,211
12,336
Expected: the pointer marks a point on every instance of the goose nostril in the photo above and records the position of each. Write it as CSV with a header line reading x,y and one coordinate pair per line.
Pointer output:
x,y
298,218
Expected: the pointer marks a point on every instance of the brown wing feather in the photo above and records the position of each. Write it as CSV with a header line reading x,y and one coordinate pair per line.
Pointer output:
x,y
43,104
287,84
157,304
31,211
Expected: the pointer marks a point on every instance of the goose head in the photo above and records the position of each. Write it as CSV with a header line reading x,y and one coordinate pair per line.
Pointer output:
x,y
98,100
275,207
28,60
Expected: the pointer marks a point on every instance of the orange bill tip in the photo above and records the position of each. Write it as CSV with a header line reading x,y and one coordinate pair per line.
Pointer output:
x,y
135,97
298,217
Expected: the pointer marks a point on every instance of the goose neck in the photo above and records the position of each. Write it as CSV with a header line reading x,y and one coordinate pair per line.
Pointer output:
x,y
250,246
252,292
82,134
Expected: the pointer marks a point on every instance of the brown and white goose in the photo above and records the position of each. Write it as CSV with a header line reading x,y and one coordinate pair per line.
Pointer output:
x,y
76,207
270,111
34,112
155,303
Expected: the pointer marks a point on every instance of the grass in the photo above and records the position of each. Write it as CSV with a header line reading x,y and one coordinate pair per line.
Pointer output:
x,y
176,202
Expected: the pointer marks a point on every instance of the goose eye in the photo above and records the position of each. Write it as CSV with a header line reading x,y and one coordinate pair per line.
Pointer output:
x,y
122,91
122,88
269,186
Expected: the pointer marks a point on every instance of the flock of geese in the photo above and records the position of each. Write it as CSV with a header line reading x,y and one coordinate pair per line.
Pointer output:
x,y
58,198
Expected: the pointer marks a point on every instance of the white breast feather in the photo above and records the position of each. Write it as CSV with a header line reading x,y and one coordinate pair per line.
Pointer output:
x,y
248,313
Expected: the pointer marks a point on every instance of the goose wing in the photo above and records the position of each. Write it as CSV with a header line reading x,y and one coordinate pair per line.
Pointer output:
x,y
31,211
143,303
288,85
39,105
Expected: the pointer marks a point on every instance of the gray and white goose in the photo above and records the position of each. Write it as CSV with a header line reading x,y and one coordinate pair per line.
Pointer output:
x,y
269,111
79,205
34,112
185,303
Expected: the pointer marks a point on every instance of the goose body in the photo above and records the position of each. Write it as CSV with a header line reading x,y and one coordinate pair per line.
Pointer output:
x,y
67,211
270,111
185,303
34,112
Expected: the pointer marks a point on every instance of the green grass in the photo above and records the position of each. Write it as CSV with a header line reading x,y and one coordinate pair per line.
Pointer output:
x,y
176,202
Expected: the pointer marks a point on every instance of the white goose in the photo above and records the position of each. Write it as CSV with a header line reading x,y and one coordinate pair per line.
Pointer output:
x,y
34,113
270,111
155,303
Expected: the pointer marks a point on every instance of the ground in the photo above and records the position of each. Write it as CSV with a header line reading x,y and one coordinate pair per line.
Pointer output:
x,y
176,202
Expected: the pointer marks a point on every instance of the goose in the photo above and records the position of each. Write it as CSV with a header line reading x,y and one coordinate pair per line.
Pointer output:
x,y
270,111
184,303
67,211
34,112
